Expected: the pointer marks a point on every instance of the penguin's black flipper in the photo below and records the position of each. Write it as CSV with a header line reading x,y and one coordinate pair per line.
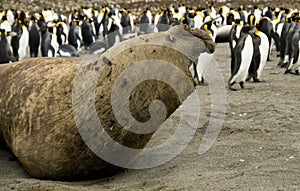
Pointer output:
x,y
11,56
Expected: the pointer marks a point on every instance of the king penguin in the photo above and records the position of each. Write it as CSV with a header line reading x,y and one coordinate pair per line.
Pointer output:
x,y
243,54
20,42
34,37
260,55
6,54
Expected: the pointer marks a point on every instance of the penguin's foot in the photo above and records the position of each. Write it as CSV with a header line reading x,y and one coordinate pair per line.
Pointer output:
x,y
196,81
294,73
259,81
248,78
242,85
233,89
230,86
284,64
255,80
203,84
288,71
280,63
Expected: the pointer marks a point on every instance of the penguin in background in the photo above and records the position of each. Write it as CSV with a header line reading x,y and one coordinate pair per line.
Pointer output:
x,y
190,18
257,13
5,25
211,27
95,23
149,15
125,21
67,50
251,20
163,21
294,64
234,36
46,48
10,16
144,25
211,10
265,25
277,25
223,12
230,17
15,41
293,49
61,33
175,22
88,36
49,46
103,20
284,42
242,15
114,35
20,42
177,14
268,12
34,37
6,54
243,53
198,19
74,35
260,55
42,24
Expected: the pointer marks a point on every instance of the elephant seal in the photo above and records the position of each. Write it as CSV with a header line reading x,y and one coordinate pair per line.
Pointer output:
x,y
37,103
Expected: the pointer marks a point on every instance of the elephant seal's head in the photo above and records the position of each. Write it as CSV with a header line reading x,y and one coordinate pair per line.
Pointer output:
x,y
188,41
202,35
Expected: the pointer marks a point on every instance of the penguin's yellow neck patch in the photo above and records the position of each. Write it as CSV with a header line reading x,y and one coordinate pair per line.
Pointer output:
x,y
257,32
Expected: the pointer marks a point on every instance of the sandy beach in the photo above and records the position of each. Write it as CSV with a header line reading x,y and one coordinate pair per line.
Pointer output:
x,y
257,149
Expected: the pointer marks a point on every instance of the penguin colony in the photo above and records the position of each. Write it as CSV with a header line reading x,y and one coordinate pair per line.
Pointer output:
x,y
251,33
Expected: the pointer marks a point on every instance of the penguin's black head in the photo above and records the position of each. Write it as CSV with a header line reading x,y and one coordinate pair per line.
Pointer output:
x,y
32,18
246,29
22,16
3,34
191,15
237,21
286,11
4,18
50,29
289,19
